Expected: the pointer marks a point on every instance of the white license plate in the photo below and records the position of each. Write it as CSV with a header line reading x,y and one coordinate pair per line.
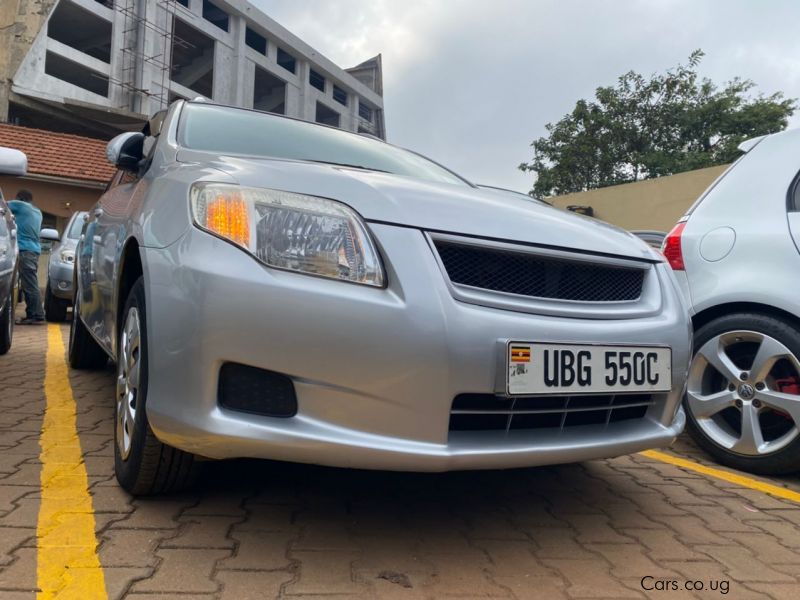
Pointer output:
x,y
536,368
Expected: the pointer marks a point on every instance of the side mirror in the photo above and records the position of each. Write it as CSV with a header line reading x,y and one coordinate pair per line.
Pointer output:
x,y
49,234
13,162
126,150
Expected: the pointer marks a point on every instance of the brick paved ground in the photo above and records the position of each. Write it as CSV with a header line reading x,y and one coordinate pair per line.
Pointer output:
x,y
264,530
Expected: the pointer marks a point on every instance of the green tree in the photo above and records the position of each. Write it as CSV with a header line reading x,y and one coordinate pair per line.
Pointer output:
x,y
642,128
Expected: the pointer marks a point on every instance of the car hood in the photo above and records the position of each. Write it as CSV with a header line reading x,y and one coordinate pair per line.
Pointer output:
x,y
441,207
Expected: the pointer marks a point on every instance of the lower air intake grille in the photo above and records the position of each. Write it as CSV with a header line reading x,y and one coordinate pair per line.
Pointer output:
x,y
248,389
485,412
539,276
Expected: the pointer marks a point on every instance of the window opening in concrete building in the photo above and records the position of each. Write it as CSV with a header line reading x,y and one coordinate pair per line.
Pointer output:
x,y
110,3
75,73
78,28
339,95
269,92
214,14
364,111
183,3
316,80
287,61
256,41
192,59
327,116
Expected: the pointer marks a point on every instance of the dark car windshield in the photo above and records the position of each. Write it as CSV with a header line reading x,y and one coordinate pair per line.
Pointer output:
x,y
227,130
75,229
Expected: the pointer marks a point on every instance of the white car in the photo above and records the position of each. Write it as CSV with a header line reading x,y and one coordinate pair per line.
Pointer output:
x,y
736,254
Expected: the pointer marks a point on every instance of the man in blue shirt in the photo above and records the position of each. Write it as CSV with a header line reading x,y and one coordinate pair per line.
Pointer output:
x,y
29,224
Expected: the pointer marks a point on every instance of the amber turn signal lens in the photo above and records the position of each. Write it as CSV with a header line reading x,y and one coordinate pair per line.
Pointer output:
x,y
228,216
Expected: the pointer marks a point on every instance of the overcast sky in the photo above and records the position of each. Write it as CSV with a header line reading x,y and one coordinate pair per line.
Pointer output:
x,y
471,83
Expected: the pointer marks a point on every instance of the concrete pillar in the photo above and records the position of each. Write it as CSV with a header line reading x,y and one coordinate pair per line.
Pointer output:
x,y
20,22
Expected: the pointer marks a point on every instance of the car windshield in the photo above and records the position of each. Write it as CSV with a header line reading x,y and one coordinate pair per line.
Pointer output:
x,y
227,130
75,229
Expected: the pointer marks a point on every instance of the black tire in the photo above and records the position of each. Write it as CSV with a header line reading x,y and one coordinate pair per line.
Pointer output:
x,y
151,467
7,323
783,461
55,309
84,351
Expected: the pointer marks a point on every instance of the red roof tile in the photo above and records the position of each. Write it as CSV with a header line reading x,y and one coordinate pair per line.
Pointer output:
x,y
59,154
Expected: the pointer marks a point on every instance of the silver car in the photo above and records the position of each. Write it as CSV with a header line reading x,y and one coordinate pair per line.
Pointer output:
x,y
736,255
278,289
12,162
60,268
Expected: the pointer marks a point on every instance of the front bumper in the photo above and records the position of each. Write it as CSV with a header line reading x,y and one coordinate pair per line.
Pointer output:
x,y
59,275
375,370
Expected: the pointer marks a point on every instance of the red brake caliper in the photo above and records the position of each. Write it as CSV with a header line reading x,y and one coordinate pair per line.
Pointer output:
x,y
787,385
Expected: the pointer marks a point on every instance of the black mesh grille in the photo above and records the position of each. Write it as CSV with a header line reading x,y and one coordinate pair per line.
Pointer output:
x,y
539,276
485,412
257,391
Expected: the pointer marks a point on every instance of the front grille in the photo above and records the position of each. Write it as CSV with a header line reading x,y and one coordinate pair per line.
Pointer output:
x,y
485,412
539,276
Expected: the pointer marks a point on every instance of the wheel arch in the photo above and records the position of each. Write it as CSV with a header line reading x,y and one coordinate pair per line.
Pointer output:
x,y
130,269
709,314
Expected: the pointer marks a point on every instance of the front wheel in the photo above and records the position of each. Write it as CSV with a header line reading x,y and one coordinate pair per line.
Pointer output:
x,y
55,309
143,465
743,393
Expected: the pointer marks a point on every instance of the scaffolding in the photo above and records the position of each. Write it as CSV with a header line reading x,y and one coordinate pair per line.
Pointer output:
x,y
138,28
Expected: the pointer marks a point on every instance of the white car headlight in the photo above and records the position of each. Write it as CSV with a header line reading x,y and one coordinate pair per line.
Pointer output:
x,y
68,256
290,231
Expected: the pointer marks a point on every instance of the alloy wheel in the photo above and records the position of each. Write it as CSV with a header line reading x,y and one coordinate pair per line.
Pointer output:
x,y
128,372
744,392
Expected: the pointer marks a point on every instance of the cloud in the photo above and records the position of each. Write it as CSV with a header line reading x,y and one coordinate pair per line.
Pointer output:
x,y
471,83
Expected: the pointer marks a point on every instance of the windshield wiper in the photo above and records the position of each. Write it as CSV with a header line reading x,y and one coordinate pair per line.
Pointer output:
x,y
341,164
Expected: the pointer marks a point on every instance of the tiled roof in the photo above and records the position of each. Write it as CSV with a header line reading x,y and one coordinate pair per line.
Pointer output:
x,y
59,154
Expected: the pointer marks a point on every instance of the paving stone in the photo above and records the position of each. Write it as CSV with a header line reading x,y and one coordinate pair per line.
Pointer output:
x,y
450,578
744,566
663,544
20,574
203,532
590,579
257,550
557,543
252,585
120,579
130,547
183,571
629,560
11,538
324,573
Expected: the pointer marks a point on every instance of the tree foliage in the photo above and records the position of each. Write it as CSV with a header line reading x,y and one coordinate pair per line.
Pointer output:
x,y
648,127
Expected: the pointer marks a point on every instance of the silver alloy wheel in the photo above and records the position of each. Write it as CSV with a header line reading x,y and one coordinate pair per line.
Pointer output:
x,y
128,372
751,392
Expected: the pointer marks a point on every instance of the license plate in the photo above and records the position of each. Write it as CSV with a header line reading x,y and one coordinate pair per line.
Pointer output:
x,y
536,368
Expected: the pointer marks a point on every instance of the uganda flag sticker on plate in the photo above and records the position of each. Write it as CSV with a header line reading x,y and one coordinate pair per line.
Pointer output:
x,y
520,354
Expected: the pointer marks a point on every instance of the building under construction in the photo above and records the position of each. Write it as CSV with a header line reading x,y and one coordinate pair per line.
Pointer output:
x,y
96,68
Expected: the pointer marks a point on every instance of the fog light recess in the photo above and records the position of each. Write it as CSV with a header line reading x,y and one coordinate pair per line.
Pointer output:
x,y
257,391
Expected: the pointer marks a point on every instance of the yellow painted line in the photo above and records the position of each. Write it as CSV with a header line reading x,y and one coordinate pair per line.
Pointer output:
x,y
748,482
68,565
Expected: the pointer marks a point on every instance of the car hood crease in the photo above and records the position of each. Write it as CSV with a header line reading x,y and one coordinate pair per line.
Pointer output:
x,y
432,206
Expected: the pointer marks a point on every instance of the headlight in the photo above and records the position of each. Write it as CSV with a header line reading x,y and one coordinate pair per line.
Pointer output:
x,y
68,256
290,231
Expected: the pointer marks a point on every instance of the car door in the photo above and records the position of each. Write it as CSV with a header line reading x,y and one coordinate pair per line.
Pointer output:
x,y
106,233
